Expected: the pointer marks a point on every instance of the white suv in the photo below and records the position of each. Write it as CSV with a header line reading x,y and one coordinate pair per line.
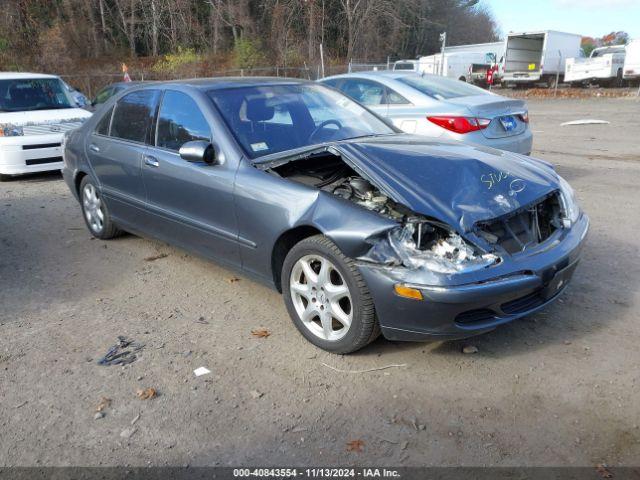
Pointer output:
x,y
35,112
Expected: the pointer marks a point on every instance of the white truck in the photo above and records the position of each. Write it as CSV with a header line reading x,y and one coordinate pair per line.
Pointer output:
x,y
631,69
456,64
35,112
538,57
603,67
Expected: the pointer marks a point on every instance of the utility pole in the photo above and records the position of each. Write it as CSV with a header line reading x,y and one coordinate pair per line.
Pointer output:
x,y
443,39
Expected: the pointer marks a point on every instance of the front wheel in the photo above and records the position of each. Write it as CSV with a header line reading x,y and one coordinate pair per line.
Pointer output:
x,y
95,212
327,298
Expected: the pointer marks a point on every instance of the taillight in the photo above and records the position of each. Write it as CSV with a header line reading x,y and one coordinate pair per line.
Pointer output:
x,y
460,124
524,116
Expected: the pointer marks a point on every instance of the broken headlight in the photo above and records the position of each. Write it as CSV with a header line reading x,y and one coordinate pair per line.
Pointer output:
x,y
432,247
569,202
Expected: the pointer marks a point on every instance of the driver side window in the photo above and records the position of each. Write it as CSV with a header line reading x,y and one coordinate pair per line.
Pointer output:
x,y
180,121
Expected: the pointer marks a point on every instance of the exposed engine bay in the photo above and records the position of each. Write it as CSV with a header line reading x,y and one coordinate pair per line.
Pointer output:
x,y
418,241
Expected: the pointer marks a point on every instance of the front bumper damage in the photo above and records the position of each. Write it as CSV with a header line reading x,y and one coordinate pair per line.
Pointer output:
x,y
462,305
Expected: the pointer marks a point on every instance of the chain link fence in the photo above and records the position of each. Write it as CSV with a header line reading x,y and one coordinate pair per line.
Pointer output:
x,y
90,84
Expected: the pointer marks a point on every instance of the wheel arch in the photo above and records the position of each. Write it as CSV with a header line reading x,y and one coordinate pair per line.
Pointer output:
x,y
283,244
78,180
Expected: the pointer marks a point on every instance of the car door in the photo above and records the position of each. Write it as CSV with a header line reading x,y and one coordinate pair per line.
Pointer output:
x,y
191,203
115,150
367,92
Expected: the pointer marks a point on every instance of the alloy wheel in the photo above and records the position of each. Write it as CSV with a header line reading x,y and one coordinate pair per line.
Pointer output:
x,y
321,297
93,208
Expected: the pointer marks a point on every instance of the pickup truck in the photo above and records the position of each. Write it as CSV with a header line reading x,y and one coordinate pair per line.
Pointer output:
x,y
603,67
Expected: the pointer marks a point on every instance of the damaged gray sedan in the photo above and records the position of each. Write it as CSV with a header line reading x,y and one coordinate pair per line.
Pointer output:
x,y
362,228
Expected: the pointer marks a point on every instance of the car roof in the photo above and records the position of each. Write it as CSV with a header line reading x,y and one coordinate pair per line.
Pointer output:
x,y
22,75
377,74
220,83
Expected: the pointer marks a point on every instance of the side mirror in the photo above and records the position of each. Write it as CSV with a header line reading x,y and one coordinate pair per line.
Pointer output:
x,y
199,151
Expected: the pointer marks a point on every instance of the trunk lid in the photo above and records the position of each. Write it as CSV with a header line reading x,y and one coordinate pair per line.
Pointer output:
x,y
503,112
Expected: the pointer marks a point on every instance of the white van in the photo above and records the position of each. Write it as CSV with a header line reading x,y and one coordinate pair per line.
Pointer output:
x,y
35,112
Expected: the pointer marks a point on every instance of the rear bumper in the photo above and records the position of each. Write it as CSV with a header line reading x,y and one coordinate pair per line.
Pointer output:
x,y
522,77
450,312
522,143
30,154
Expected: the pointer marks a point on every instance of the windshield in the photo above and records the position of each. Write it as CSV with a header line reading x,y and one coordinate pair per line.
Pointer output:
x,y
275,118
441,88
20,95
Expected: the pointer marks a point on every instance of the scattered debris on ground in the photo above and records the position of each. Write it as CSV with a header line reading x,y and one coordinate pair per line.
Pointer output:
x,y
201,371
104,403
128,432
233,280
202,320
98,415
135,419
375,369
153,258
256,394
122,353
146,393
355,446
260,332
585,121
604,472
20,405
469,349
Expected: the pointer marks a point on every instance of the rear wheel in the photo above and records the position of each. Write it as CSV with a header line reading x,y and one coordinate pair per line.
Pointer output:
x,y
4,178
95,212
327,298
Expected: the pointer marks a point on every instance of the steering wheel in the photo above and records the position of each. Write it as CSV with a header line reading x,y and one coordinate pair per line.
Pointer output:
x,y
331,121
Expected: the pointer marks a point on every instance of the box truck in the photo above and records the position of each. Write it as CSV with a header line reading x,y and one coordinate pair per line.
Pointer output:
x,y
538,57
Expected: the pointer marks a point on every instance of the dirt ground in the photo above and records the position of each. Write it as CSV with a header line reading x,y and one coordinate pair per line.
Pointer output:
x,y
558,388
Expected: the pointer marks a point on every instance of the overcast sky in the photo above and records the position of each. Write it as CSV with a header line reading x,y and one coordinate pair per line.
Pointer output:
x,y
593,18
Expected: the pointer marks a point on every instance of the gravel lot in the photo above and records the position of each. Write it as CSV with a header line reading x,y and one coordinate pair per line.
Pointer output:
x,y
558,388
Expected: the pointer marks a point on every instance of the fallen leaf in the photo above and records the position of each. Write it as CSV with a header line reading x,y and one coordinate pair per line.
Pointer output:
x,y
147,393
104,403
233,280
355,446
260,332
601,468
153,258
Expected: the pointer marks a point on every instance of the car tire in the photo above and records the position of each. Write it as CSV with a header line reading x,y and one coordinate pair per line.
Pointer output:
x,y
4,178
95,212
319,304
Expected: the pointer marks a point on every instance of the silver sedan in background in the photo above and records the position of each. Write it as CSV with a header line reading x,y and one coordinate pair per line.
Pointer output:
x,y
441,107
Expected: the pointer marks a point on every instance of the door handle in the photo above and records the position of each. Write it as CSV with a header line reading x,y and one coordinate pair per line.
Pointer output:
x,y
151,161
94,148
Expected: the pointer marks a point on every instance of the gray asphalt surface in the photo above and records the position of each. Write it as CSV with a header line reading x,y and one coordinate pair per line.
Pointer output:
x,y
558,388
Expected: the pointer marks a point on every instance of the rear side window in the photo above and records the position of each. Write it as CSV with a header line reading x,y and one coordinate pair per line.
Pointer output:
x,y
394,98
102,128
133,115
180,121
103,95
